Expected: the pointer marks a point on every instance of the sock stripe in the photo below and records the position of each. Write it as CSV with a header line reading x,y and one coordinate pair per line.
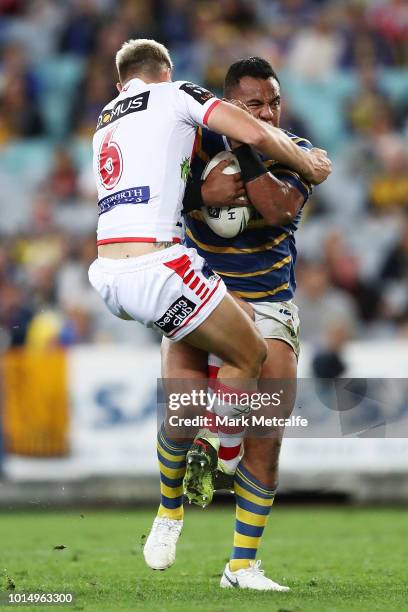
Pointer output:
x,y
243,553
243,541
171,473
252,485
171,444
171,502
248,530
170,492
244,494
171,482
251,507
257,520
174,465
229,452
170,456
172,447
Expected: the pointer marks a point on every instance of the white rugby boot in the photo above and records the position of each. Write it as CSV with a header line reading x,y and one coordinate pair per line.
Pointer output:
x,y
251,577
160,548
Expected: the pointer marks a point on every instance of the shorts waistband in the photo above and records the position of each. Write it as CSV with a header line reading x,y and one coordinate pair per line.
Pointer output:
x,y
142,261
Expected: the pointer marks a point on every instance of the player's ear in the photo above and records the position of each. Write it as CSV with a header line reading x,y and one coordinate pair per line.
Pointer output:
x,y
119,87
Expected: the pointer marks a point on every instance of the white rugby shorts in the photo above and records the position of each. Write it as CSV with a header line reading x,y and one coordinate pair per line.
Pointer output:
x,y
173,290
278,320
274,320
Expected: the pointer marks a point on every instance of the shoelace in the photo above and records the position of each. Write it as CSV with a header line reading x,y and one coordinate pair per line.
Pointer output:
x,y
255,568
165,530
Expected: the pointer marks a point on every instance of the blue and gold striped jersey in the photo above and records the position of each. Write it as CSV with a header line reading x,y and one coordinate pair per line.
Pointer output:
x,y
258,264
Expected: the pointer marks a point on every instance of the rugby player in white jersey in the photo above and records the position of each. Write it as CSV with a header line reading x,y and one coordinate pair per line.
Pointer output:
x,y
142,148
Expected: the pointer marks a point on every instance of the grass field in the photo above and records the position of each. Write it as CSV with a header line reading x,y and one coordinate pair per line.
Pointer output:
x,y
347,559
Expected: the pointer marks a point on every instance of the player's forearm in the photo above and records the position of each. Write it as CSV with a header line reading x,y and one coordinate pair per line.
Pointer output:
x,y
277,201
272,142
276,145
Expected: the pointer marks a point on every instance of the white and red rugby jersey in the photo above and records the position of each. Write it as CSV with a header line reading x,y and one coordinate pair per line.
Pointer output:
x,y
141,152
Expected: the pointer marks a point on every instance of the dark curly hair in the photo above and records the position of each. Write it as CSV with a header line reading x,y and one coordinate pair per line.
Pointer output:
x,y
255,67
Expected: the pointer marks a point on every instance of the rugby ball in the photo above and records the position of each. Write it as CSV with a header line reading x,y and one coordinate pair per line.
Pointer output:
x,y
228,221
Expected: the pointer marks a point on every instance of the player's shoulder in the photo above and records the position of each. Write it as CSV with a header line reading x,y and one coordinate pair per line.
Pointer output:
x,y
197,92
106,114
111,104
302,142
207,145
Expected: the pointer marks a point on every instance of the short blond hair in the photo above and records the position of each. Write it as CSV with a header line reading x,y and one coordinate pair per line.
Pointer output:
x,y
142,56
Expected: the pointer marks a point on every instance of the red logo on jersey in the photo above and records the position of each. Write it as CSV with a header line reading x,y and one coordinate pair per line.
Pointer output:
x,y
110,163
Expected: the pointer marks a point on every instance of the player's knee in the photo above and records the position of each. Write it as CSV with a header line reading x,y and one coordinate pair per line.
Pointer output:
x,y
249,356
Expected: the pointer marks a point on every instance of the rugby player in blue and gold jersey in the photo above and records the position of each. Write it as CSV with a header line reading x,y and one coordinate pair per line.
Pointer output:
x,y
258,267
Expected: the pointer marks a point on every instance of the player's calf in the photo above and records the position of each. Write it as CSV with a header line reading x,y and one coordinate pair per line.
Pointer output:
x,y
262,458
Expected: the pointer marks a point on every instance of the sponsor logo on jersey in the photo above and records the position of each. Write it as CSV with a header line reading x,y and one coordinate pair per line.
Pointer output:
x,y
132,195
175,315
199,94
123,108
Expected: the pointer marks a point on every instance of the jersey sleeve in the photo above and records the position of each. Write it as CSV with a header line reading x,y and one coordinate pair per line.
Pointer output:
x,y
289,176
194,103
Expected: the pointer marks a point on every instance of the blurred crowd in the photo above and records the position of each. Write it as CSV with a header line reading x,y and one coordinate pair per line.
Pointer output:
x,y
344,72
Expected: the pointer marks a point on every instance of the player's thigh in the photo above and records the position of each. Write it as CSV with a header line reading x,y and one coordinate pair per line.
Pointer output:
x,y
182,360
229,333
280,362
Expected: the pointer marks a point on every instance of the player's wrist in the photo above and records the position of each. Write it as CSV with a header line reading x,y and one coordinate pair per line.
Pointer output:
x,y
193,197
306,166
250,163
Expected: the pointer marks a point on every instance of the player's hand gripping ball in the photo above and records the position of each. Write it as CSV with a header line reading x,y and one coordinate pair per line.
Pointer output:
x,y
228,221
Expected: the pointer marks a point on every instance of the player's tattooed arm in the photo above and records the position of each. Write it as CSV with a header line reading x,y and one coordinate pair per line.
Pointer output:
x,y
276,200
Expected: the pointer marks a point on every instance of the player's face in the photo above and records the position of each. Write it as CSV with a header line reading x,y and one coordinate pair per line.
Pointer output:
x,y
262,97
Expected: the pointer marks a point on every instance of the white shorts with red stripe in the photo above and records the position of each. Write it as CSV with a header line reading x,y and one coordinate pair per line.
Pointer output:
x,y
173,290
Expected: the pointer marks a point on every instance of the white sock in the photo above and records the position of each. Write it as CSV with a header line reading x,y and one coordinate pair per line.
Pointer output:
x,y
230,437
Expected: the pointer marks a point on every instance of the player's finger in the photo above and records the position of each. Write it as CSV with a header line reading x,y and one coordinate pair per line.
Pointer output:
x,y
222,165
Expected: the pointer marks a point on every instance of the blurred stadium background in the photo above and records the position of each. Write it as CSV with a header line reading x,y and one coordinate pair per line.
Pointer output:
x,y
79,386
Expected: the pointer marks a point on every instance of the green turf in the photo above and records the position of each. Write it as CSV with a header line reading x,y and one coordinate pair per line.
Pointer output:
x,y
347,559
